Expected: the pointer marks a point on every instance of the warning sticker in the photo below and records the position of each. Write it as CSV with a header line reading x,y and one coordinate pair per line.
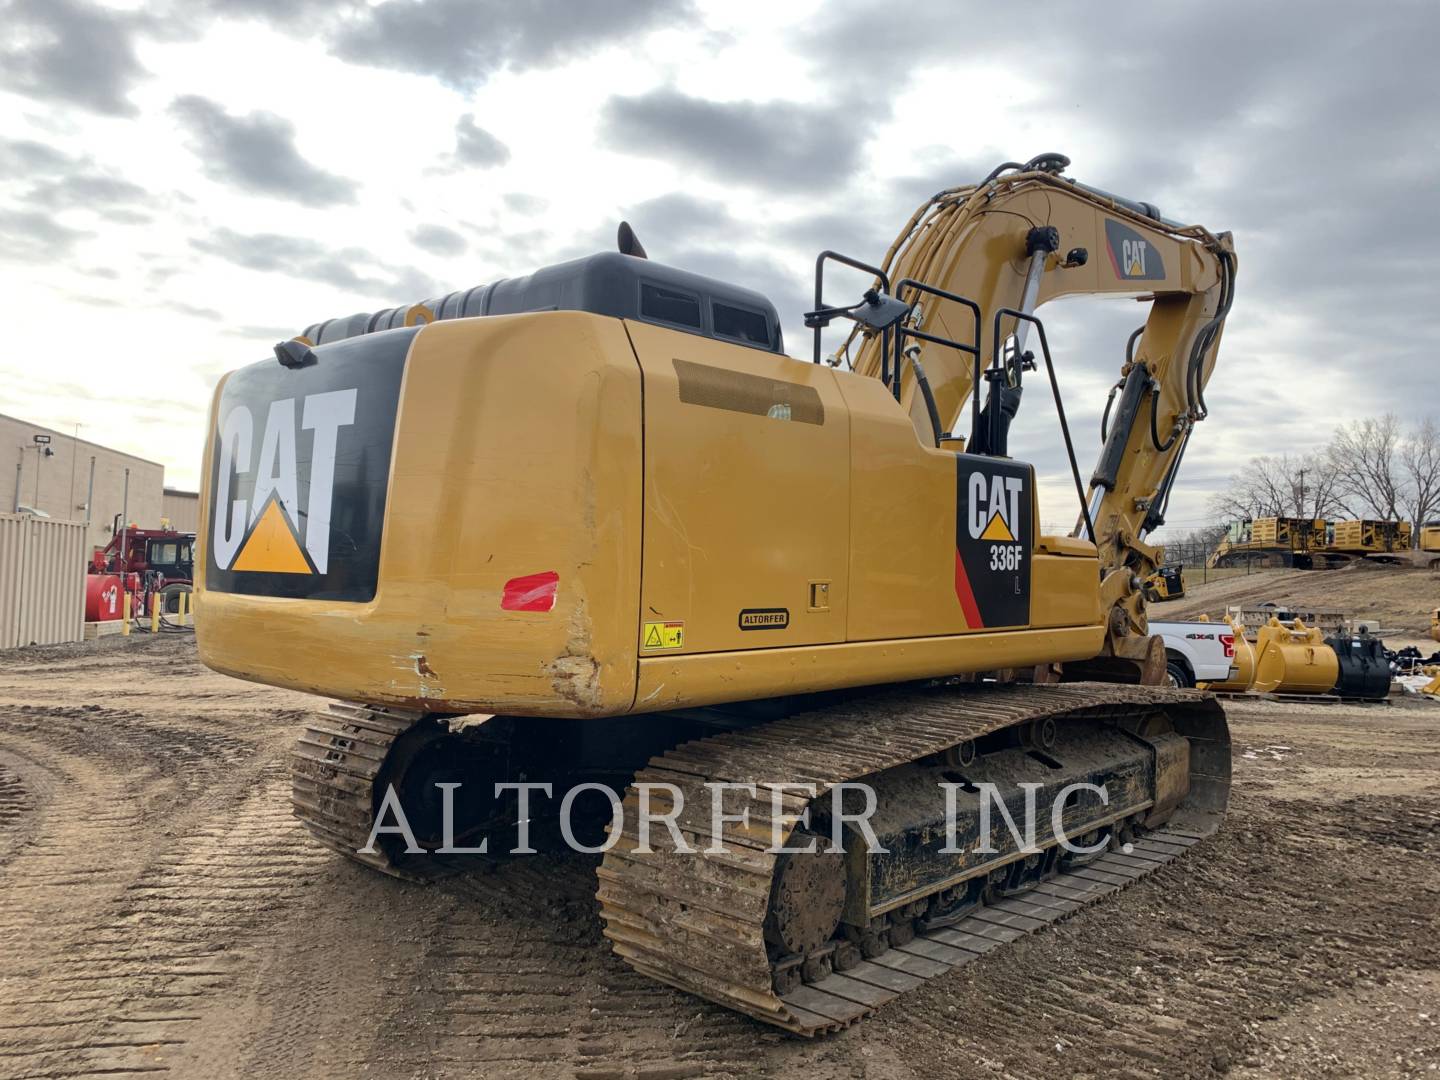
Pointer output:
x,y
663,635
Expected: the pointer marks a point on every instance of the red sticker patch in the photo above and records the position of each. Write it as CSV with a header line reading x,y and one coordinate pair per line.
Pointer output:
x,y
966,595
533,592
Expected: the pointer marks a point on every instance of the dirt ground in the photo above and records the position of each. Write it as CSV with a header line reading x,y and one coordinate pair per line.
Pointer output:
x,y
160,911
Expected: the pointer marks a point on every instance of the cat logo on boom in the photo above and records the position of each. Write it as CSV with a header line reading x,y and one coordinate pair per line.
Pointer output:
x,y
1132,257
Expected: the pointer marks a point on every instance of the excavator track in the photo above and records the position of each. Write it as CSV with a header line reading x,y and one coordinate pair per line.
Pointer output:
x,y
335,768
698,921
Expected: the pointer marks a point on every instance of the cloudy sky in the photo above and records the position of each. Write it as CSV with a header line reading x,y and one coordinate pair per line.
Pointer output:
x,y
183,184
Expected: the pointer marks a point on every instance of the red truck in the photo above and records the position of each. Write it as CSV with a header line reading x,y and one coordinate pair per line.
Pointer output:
x,y
142,563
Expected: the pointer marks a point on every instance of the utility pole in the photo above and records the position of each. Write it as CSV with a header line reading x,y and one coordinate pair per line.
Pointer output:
x,y
90,494
74,459
1302,493
125,522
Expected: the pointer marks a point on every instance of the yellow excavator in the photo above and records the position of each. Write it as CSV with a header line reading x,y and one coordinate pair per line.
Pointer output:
x,y
594,521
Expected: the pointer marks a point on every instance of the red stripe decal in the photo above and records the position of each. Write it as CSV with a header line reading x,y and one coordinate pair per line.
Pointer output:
x,y
1114,259
966,595
533,592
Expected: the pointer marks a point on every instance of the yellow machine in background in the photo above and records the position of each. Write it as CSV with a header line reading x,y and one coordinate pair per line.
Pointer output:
x,y
1433,686
1430,544
1369,538
1166,583
565,523
1271,541
1311,543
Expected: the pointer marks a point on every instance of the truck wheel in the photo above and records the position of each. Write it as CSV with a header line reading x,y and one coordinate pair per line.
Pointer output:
x,y
1178,675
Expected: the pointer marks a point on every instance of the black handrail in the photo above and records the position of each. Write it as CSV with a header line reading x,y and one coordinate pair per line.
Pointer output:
x,y
1020,316
909,331
820,308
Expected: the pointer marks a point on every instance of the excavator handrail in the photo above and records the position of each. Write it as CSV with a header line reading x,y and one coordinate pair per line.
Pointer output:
x,y
1035,321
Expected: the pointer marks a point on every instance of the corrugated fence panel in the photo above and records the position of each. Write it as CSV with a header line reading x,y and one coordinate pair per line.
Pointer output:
x,y
12,562
42,581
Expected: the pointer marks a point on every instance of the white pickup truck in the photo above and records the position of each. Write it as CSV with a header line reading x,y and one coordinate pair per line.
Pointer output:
x,y
1196,651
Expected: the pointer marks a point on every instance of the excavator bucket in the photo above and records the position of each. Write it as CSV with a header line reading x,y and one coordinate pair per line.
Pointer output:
x,y
1242,666
1293,660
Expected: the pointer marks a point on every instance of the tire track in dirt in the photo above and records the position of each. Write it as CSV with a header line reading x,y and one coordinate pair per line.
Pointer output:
x,y
512,977
127,989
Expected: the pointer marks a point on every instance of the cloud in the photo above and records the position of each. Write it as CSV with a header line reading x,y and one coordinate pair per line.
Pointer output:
x,y
679,220
257,153
522,203
352,269
87,190
438,240
72,52
464,42
59,182
283,12
193,311
476,147
780,145
34,236
26,157
267,334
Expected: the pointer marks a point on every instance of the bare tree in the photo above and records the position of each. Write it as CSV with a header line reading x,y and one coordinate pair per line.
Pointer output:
x,y
1365,455
1420,460
1283,486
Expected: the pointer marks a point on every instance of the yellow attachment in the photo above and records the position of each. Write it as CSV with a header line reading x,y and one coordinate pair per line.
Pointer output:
x,y
1433,686
1293,660
1243,663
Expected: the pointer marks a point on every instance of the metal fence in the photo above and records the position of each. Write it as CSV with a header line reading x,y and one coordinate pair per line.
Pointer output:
x,y
42,580
1192,556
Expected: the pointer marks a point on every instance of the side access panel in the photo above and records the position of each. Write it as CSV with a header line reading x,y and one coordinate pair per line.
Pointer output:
x,y
747,498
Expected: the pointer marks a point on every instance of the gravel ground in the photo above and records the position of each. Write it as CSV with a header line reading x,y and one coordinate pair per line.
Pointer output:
x,y
161,912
